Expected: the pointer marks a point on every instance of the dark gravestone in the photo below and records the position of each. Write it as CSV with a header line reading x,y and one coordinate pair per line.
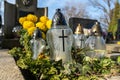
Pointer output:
x,y
109,38
0,21
86,23
9,19
25,7
1,31
12,13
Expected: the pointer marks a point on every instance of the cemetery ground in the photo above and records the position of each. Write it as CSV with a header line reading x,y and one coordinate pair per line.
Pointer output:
x,y
17,63
10,71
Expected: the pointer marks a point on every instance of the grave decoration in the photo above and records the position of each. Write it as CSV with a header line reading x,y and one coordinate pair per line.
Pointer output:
x,y
87,24
96,42
46,66
35,29
16,30
37,43
60,39
79,38
12,13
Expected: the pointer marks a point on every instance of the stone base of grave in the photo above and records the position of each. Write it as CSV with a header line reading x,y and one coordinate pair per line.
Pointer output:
x,y
10,43
113,56
8,68
113,48
115,78
112,78
113,51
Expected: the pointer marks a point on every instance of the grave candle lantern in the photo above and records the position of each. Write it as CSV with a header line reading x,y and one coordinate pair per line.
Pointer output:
x,y
60,39
96,42
37,43
79,38
16,31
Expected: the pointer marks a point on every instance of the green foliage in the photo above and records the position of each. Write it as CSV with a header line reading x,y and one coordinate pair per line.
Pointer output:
x,y
114,21
113,29
83,67
53,70
118,60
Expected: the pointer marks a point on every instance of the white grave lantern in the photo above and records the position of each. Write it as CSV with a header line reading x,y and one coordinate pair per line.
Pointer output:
x,y
96,42
60,39
37,43
79,38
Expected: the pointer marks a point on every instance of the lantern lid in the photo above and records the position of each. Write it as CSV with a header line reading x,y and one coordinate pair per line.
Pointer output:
x,y
79,29
58,18
37,33
96,29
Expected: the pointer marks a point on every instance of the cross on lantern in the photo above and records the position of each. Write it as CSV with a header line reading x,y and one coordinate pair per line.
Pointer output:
x,y
93,45
81,40
63,37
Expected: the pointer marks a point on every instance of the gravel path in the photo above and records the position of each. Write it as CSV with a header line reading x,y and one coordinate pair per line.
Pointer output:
x,y
8,67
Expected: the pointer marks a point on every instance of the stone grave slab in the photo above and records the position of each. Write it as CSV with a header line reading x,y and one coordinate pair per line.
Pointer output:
x,y
113,48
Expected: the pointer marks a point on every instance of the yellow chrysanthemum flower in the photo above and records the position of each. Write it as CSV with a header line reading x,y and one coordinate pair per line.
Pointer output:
x,y
22,19
41,26
44,19
35,18
43,35
32,17
31,30
49,24
28,24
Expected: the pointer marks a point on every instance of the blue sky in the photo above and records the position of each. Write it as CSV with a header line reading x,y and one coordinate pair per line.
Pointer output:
x,y
54,4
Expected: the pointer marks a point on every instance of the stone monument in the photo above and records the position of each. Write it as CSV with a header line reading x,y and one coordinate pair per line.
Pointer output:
x,y
86,23
12,13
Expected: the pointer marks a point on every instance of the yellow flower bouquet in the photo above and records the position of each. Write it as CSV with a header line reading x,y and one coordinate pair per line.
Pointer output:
x,y
31,21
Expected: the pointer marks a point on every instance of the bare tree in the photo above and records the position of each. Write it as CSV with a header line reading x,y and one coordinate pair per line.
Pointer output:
x,y
106,7
72,9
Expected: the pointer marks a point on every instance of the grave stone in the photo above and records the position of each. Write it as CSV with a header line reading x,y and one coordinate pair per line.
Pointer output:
x,y
1,31
9,19
109,38
12,13
86,23
0,21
